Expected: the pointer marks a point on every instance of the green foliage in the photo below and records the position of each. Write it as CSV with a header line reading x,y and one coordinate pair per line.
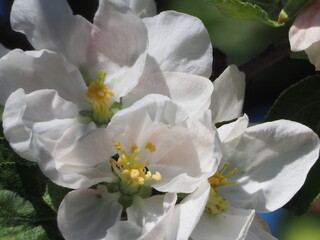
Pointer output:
x,y
18,219
301,103
264,11
23,212
271,12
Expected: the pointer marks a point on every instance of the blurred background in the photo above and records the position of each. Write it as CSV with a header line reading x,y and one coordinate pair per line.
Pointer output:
x,y
235,42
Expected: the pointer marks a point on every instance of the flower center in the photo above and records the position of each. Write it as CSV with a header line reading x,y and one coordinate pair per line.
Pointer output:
x,y
100,96
129,167
217,204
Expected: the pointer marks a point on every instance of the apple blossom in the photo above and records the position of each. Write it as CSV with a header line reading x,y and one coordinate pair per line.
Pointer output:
x,y
262,167
155,146
304,34
101,64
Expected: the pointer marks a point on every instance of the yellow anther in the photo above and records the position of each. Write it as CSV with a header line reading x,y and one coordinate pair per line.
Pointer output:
x,y
156,176
150,146
130,165
117,146
218,179
148,175
134,173
134,148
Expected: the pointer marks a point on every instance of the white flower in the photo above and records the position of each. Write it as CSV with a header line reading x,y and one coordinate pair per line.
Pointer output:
x,y
104,62
262,167
304,34
158,147
182,156
95,214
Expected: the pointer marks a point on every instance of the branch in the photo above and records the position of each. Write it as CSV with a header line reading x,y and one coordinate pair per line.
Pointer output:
x,y
272,54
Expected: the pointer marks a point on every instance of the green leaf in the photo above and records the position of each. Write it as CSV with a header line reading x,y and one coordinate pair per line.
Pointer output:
x,y
301,103
265,11
18,219
25,180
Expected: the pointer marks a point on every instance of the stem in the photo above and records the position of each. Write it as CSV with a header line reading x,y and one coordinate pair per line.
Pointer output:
x,y
272,54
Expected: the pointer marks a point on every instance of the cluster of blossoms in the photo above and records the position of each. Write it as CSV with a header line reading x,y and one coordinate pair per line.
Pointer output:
x,y
122,111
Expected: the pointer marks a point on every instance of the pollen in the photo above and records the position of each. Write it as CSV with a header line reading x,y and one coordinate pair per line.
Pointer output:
x,y
129,166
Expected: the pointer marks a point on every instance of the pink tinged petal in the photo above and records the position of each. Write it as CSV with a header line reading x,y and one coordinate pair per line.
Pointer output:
x,y
189,91
185,166
188,212
86,214
148,219
36,70
259,230
273,160
41,112
305,30
144,8
51,25
229,225
3,50
118,38
179,43
153,119
228,95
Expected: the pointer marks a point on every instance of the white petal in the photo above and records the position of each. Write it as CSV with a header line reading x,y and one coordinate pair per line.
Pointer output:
x,y
41,112
51,25
118,38
230,225
148,219
41,70
305,30
159,108
85,214
190,91
228,95
259,230
144,8
185,166
3,50
179,43
313,53
74,177
88,151
230,134
273,160
188,212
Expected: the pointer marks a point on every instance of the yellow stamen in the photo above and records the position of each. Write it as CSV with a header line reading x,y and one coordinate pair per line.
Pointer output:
x,y
217,204
151,147
100,96
129,165
218,179
156,176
